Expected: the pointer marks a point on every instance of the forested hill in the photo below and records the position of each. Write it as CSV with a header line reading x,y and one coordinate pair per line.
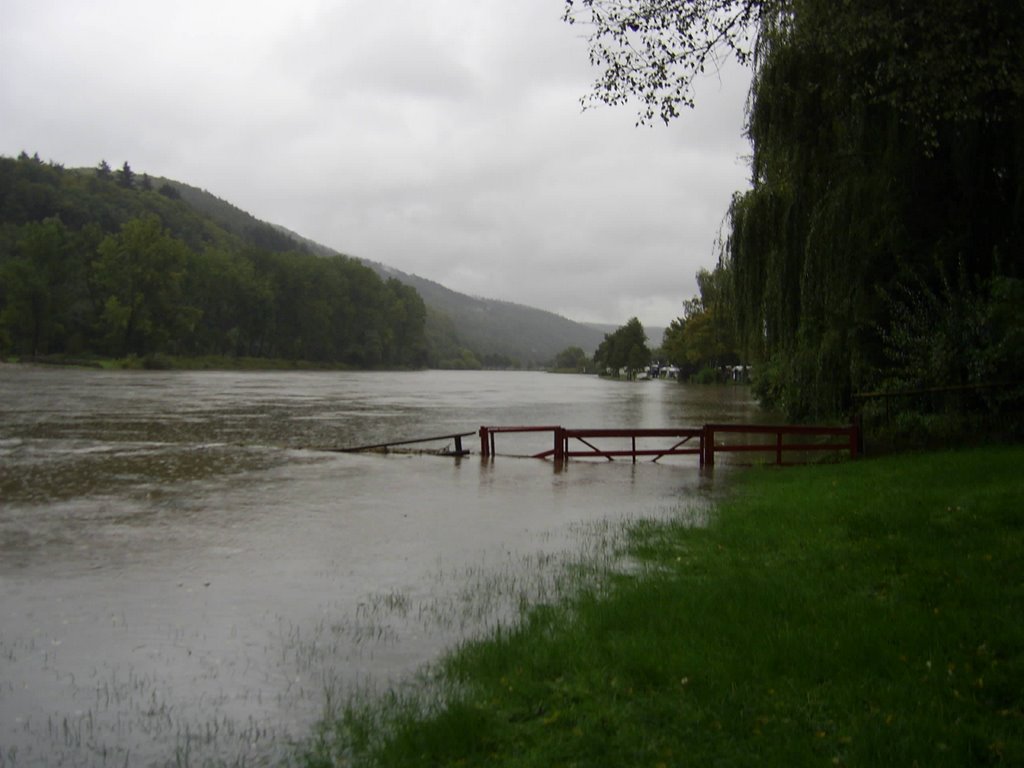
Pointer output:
x,y
96,262
501,329
499,332
462,331
115,263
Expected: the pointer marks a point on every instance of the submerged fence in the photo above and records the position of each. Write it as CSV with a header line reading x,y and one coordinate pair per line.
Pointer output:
x,y
848,440
702,442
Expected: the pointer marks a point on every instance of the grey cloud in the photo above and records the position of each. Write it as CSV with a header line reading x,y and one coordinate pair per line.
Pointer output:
x,y
443,138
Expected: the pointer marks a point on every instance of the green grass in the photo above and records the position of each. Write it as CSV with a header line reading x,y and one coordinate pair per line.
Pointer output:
x,y
862,614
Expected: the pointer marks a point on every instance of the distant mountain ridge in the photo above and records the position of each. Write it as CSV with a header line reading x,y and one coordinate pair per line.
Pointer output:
x,y
526,334
467,309
230,246
491,328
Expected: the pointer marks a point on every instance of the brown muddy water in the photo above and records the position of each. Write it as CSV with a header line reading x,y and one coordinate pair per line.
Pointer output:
x,y
187,578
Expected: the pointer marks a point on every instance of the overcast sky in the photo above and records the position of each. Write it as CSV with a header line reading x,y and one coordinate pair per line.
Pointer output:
x,y
441,137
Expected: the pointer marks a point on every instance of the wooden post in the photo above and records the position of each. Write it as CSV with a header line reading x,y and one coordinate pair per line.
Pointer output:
x,y
485,444
778,448
709,446
559,446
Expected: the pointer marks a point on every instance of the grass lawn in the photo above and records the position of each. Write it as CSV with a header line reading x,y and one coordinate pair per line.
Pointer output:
x,y
864,614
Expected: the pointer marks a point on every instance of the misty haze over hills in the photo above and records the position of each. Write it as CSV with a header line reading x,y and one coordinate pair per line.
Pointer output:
x,y
490,327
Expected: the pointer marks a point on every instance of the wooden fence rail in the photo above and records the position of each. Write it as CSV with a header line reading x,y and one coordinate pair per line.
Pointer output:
x,y
456,437
561,446
682,441
700,442
681,447
849,435
487,437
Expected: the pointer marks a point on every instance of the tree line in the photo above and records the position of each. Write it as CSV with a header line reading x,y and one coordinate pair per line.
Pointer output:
x,y
881,245
622,353
704,340
99,263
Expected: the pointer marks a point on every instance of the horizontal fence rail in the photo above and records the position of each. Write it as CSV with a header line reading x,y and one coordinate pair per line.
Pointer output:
x,y
702,442
996,395
561,446
849,441
456,437
681,447
487,437
692,441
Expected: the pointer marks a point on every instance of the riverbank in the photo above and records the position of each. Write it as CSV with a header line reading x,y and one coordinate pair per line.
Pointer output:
x,y
180,363
161,362
866,613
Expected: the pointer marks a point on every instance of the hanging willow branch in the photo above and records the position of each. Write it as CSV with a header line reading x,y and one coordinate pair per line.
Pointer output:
x,y
888,138
654,49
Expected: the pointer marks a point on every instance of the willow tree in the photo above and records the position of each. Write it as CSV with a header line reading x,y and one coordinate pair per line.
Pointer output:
x,y
887,163
886,177
653,51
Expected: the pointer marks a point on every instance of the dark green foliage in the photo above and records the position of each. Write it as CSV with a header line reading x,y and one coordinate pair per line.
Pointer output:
x,y
447,351
704,338
137,278
887,169
888,166
126,176
90,266
624,350
27,282
170,192
464,329
571,359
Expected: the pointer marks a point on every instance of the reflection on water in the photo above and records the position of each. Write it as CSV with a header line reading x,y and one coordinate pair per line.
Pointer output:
x,y
184,574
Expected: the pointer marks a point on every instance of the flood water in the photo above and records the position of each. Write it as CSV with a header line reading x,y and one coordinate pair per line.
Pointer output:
x,y
187,576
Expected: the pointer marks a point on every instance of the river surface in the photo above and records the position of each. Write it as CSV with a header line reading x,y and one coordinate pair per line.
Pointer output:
x,y
187,576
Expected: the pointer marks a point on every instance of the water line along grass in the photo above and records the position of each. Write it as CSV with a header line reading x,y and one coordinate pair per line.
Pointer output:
x,y
868,613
